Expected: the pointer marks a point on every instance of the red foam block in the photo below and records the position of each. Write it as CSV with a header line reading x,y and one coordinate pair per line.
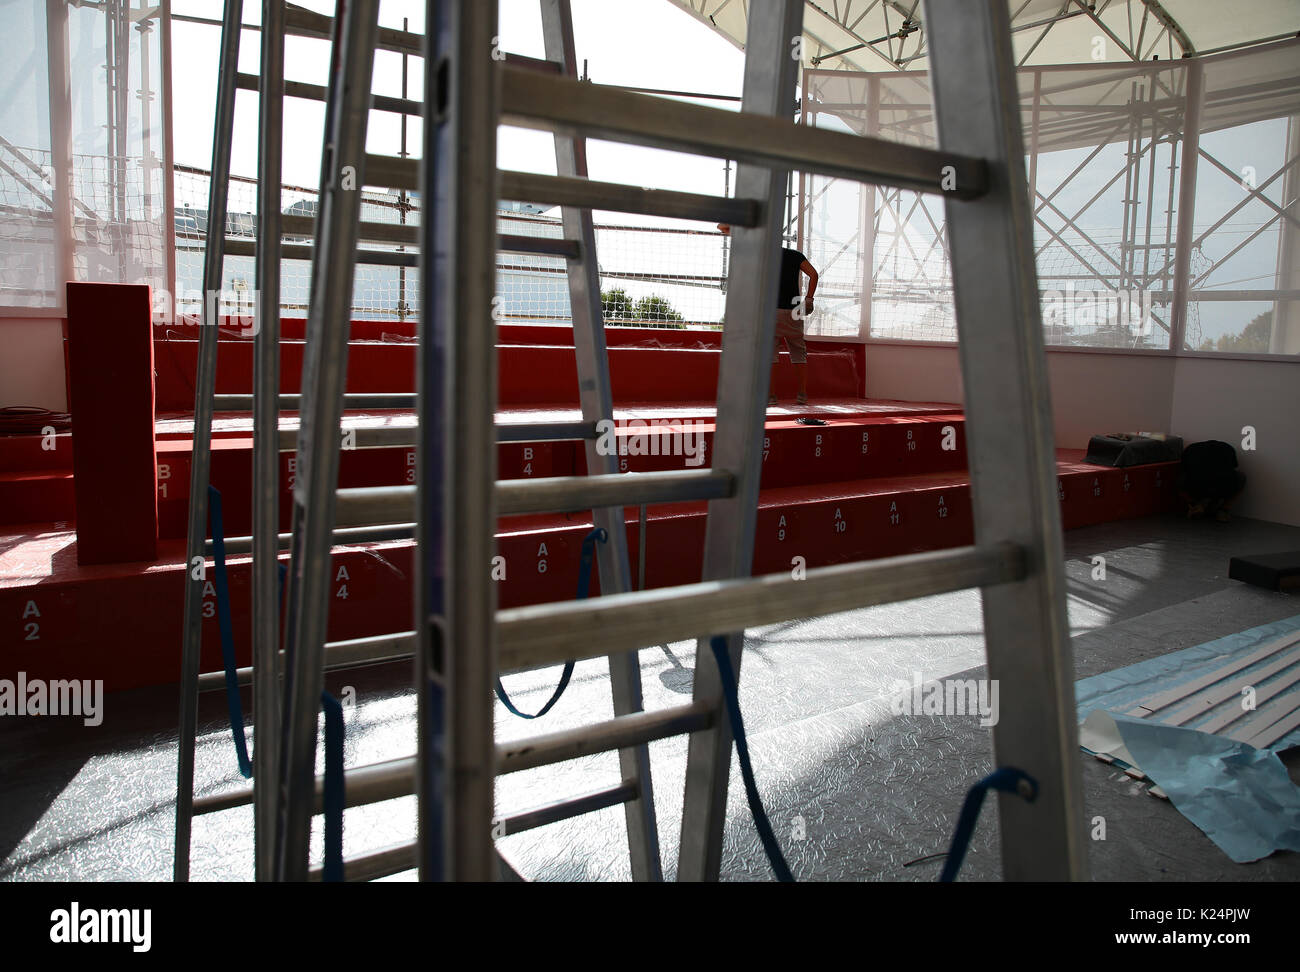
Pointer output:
x,y
110,362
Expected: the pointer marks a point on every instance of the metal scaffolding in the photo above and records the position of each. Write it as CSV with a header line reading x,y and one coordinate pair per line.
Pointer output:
x,y
1112,152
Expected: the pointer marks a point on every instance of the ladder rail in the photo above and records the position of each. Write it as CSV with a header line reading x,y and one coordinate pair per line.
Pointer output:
x,y
324,372
743,378
1009,438
266,446
597,402
455,598
201,455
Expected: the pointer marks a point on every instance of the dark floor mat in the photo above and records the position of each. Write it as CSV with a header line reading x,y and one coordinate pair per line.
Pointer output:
x,y
1276,571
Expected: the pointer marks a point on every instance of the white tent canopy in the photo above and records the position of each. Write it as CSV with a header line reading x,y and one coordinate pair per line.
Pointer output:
x,y
1075,106
888,35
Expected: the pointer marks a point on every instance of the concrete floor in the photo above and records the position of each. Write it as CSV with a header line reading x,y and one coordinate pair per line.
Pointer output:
x,y
853,791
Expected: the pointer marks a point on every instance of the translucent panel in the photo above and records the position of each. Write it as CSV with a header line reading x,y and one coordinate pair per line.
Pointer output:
x,y
116,231
1245,244
1102,147
666,276
29,254
1104,156
1243,326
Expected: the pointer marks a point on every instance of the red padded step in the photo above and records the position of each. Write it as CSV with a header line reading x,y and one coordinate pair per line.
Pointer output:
x,y
860,447
35,453
122,622
794,454
527,374
36,497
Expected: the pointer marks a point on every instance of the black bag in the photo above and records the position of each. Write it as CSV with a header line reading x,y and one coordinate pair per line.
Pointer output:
x,y
1125,449
1210,470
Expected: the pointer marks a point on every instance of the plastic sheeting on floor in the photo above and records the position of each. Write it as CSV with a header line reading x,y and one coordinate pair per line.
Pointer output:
x,y
1241,797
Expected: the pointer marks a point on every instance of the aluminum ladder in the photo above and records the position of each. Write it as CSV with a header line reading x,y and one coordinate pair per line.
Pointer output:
x,y
462,640
314,521
278,19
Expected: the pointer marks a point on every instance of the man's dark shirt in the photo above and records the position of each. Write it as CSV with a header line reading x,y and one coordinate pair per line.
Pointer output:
x,y
791,261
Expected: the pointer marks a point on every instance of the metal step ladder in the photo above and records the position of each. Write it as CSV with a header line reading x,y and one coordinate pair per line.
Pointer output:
x,y
265,544
462,641
1017,561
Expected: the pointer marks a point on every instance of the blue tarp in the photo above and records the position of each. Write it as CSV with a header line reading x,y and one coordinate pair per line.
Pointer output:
x,y
1240,796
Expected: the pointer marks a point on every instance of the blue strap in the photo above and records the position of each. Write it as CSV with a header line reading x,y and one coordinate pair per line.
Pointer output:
x,y
1008,779
761,823
584,584
233,703
589,542
334,787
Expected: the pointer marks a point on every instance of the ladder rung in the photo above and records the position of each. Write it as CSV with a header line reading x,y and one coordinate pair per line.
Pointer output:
x,y
545,431
239,546
372,783
544,245
534,64
618,733
408,234
574,494
369,651
380,437
362,400
404,436
316,92
371,866
376,782
338,655
565,809
227,800
407,258
391,172
369,505
397,858
398,234
303,251
540,101
308,23
544,634
614,197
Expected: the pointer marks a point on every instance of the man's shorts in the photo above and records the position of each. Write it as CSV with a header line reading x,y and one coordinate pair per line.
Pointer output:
x,y
790,329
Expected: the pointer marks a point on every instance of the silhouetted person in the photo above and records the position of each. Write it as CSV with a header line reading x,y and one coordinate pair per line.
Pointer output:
x,y
791,309
1209,480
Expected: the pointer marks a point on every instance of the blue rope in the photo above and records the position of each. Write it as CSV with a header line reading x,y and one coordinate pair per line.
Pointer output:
x,y
233,704
1008,779
334,787
761,823
584,583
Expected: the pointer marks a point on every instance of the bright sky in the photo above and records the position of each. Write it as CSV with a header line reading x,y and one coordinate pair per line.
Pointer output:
x,y
671,50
